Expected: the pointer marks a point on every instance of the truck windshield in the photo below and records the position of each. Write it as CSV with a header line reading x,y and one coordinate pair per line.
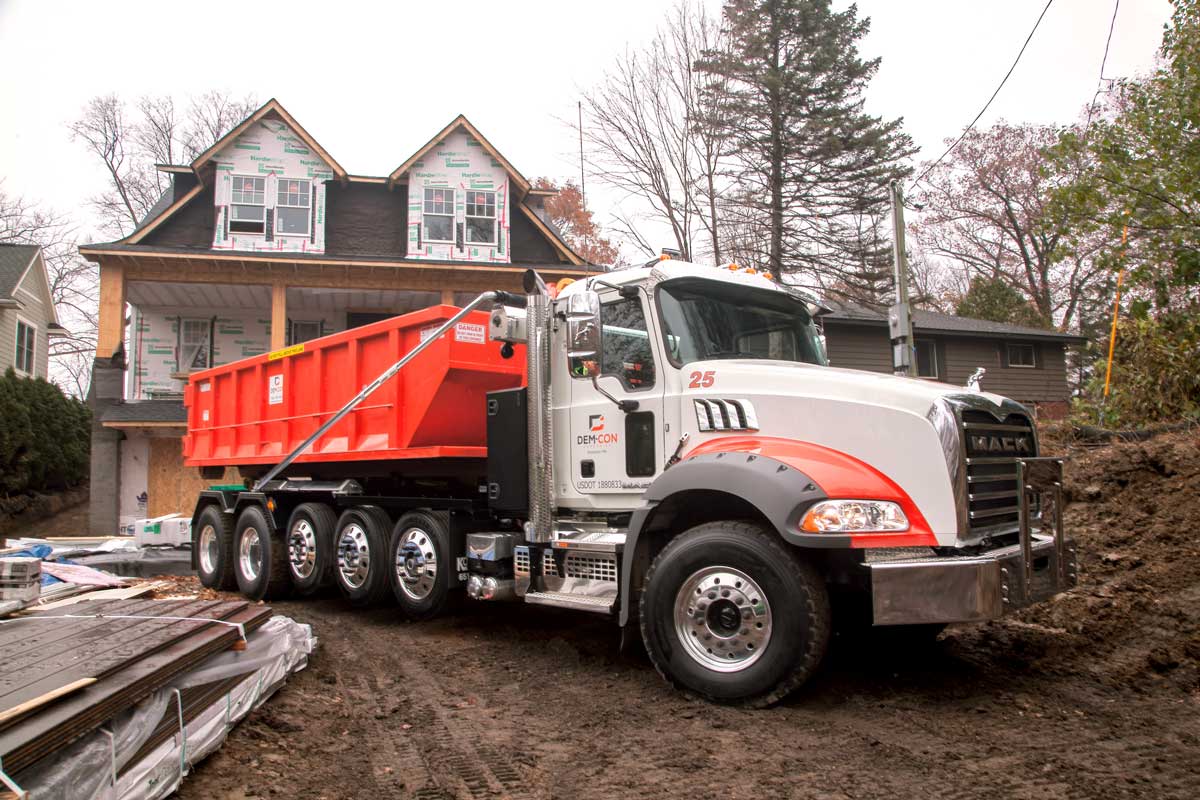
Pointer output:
x,y
705,320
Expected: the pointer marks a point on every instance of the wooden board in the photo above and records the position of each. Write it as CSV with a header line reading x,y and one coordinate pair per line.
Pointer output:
x,y
57,725
18,711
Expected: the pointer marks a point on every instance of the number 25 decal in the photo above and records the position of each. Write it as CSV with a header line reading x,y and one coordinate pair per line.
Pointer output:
x,y
702,380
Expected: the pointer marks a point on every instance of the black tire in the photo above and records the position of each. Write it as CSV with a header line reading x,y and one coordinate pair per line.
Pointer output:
x,y
310,549
794,618
260,561
361,566
420,561
212,542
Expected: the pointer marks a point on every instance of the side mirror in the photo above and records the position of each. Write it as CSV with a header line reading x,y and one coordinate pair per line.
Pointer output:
x,y
583,333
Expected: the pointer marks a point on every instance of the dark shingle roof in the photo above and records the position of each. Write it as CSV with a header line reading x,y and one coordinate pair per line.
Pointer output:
x,y
14,258
936,322
146,411
160,205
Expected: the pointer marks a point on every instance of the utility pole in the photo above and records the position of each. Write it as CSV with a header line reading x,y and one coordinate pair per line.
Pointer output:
x,y
899,315
582,184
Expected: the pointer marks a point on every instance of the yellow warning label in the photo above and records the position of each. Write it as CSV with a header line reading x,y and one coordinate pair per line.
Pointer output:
x,y
294,350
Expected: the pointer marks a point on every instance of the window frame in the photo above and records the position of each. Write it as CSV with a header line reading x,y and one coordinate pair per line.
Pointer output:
x,y
292,323
620,375
308,223
32,347
208,345
233,204
425,228
467,216
1033,355
933,358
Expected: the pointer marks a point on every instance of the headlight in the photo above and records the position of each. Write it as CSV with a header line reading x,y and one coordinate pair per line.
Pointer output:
x,y
854,516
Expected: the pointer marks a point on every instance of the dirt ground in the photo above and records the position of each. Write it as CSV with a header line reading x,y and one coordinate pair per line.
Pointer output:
x,y
1094,695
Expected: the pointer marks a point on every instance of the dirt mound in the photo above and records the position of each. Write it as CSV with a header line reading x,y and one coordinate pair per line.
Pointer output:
x,y
1134,620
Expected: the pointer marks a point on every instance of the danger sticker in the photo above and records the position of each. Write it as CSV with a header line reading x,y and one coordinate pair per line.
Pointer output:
x,y
427,332
275,390
470,333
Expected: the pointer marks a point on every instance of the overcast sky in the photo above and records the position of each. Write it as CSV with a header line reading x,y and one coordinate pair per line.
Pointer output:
x,y
372,81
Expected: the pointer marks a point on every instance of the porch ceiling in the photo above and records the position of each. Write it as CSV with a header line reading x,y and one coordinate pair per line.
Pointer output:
x,y
148,294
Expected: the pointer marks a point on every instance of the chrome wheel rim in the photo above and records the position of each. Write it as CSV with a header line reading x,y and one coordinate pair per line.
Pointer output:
x,y
250,553
302,549
354,555
209,549
416,564
723,619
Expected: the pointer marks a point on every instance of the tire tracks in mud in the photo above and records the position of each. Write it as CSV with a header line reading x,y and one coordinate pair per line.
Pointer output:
x,y
443,755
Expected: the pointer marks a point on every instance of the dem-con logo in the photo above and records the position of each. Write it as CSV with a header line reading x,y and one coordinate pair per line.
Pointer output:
x,y
596,433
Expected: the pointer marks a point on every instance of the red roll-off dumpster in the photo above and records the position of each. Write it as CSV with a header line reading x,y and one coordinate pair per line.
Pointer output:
x,y
257,410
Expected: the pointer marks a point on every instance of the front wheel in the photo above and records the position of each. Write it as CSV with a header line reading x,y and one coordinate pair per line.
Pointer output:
x,y
730,613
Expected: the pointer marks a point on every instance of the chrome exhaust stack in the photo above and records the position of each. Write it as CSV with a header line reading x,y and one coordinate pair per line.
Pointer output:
x,y
538,311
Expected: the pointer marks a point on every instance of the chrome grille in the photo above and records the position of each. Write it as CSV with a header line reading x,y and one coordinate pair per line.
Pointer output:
x,y
596,568
992,448
549,567
725,415
521,560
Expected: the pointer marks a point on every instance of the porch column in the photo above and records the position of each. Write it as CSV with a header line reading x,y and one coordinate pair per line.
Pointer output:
x,y
278,316
447,297
111,333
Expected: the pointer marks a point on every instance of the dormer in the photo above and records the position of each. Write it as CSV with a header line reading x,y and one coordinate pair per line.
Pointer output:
x,y
268,178
461,197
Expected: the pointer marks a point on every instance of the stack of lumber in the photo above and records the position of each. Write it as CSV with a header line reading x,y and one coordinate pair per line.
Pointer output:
x,y
65,672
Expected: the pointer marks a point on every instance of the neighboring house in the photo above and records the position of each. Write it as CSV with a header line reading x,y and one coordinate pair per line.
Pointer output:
x,y
263,241
27,317
1027,364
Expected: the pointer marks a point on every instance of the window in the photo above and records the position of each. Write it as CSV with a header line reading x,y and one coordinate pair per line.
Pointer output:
x,y
439,215
26,335
1021,355
247,210
927,364
625,344
481,217
704,321
302,330
195,344
292,213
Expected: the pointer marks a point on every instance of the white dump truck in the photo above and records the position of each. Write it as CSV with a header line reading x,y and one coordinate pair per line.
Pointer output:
x,y
680,458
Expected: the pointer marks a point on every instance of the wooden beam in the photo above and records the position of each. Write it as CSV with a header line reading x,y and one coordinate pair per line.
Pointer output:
x,y
447,297
111,333
278,316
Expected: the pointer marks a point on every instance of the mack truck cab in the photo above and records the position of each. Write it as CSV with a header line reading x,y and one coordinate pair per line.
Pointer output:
x,y
681,458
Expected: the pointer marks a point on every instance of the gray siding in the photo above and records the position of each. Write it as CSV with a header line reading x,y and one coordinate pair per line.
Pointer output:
x,y
31,295
867,347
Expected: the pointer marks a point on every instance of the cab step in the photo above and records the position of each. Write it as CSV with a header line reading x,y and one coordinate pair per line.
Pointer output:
x,y
579,602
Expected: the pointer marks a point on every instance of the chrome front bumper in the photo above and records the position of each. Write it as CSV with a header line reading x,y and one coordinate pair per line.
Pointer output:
x,y
982,586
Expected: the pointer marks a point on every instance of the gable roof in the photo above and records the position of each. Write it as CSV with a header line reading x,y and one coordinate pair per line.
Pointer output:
x,y
937,322
269,108
461,122
15,260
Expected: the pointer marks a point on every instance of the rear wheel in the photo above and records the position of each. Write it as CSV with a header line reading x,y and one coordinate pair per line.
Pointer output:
x,y
260,557
361,569
310,546
212,540
730,613
420,564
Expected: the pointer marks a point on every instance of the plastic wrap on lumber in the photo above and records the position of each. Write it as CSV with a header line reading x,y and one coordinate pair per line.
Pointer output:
x,y
257,410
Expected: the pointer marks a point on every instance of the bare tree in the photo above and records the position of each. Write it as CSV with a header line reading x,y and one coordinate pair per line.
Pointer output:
x,y
988,209
647,136
131,144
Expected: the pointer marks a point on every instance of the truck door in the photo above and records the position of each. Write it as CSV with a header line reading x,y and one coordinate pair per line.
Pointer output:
x,y
615,452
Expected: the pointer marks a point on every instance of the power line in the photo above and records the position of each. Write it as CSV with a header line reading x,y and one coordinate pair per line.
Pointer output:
x,y
986,105
1103,62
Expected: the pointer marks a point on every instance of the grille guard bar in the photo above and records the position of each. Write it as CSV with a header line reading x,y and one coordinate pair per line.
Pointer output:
x,y
981,586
